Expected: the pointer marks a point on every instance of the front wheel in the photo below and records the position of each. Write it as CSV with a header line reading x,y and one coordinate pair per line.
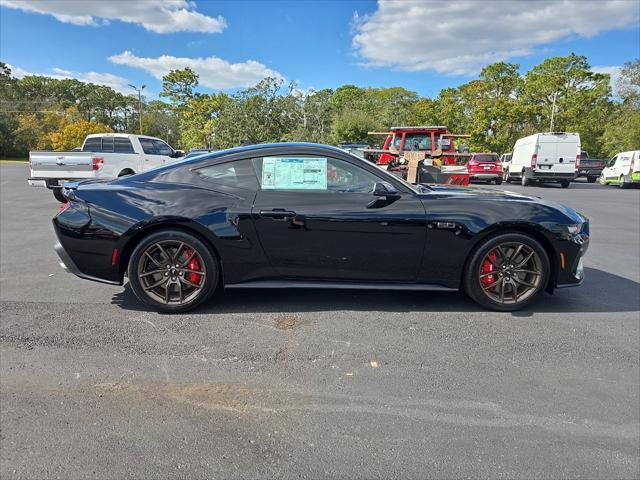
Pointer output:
x,y
603,180
507,272
622,182
172,271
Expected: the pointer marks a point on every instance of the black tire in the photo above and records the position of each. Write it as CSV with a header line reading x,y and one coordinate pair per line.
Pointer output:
x,y
498,181
622,183
565,183
206,289
473,287
592,179
525,181
57,193
126,173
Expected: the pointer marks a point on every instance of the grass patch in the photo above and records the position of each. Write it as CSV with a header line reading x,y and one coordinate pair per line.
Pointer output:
x,y
13,160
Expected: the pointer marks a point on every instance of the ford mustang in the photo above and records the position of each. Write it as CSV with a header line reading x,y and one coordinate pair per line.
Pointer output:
x,y
300,215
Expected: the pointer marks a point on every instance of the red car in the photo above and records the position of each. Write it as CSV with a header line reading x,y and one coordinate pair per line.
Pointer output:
x,y
486,167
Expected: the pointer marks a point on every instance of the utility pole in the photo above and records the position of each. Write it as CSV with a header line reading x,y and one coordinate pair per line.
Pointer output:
x,y
553,110
139,90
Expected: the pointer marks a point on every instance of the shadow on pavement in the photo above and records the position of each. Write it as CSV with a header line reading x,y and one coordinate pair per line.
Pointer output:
x,y
600,292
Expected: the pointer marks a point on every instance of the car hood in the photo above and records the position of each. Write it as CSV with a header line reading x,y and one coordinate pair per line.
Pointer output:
x,y
502,195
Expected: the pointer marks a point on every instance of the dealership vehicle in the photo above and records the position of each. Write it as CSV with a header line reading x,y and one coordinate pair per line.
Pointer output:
x,y
590,168
622,170
103,155
299,215
545,157
485,167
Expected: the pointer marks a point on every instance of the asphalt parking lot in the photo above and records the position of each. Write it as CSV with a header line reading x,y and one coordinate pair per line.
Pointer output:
x,y
311,384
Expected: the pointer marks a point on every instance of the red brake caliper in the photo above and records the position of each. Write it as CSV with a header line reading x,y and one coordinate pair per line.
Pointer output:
x,y
487,267
194,264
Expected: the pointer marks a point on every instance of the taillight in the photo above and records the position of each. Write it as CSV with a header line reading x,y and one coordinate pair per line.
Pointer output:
x,y
30,167
97,163
62,208
534,160
578,161
499,165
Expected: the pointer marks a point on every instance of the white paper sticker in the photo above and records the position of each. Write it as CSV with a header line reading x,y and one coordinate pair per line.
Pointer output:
x,y
294,173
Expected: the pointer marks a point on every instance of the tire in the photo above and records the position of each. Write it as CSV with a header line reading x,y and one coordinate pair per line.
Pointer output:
x,y
525,181
473,283
592,179
57,193
603,180
126,173
565,183
498,181
622,183
506,177
147,258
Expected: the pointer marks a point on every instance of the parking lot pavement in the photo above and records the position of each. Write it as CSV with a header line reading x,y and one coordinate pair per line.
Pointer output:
x,y
308,384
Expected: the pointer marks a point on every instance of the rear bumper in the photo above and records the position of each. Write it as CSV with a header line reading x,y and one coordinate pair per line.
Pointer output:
x,y
49,183
485,175
551,176
68,264
589,172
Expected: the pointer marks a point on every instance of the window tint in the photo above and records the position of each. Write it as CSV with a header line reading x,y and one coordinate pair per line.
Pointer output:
x,y
93,144
147,146
107,144
122,145
313,173
238,174
162,148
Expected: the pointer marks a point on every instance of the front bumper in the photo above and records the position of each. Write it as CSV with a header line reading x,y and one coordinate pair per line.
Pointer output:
x,y
572,251
68,264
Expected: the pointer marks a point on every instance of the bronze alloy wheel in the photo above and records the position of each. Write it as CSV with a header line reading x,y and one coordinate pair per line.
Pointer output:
x,y
172,272
510,273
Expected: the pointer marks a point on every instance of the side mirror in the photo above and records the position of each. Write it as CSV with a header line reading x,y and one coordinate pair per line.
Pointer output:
x,y
177,154
384,194
385,189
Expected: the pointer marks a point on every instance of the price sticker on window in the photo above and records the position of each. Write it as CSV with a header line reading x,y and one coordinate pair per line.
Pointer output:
x,y
294,173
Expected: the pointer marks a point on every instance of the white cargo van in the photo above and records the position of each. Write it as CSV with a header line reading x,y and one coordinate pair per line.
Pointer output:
x,y
622,170
545,157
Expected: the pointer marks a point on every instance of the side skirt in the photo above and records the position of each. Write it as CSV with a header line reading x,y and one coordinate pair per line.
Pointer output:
x,y
342,285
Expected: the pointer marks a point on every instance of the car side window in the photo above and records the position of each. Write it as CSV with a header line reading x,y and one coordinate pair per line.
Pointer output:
x,y
93,144
162,148
236,174
314,174
122,145
147,146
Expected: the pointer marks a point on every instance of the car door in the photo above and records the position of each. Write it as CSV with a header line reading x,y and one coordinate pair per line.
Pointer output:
x,y
153,152
609,170
163,150
317,218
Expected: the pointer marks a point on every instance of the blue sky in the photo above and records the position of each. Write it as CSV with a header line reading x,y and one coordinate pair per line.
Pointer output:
x,y
422,46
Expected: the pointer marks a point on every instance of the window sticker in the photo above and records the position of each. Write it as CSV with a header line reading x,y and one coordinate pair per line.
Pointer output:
x,y
293,173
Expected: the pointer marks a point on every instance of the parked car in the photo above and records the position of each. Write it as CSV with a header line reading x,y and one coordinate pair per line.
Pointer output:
x,y
485,167
545,157
590,168
299,215
103,155
622,170
357,149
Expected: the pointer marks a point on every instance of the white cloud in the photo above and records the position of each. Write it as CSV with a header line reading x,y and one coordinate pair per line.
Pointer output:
x,y
119,84
214,72
463,36
614,71
160,16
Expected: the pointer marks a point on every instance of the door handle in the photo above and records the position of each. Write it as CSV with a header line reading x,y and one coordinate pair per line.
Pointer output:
x,y
277,214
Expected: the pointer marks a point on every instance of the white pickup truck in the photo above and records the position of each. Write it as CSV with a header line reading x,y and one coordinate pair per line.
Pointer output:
x,y
103,155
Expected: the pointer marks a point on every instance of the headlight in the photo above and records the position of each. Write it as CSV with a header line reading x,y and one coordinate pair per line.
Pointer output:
x,y
574,229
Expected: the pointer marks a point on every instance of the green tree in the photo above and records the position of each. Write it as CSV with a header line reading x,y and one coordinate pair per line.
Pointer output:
x,y
622,131
179,85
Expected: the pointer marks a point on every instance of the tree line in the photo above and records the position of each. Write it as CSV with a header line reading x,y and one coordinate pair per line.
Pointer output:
x,y
496,109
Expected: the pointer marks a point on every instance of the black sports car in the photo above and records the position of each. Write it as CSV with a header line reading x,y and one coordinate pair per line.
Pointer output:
x,y
297,215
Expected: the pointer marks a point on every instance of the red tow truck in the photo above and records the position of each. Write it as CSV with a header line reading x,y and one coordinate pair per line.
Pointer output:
x,y
421,154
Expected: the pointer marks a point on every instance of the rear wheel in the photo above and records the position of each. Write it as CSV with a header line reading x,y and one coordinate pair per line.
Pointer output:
x,y
525,181
507,272
498,181
592,179
565,183
57,193
172,271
